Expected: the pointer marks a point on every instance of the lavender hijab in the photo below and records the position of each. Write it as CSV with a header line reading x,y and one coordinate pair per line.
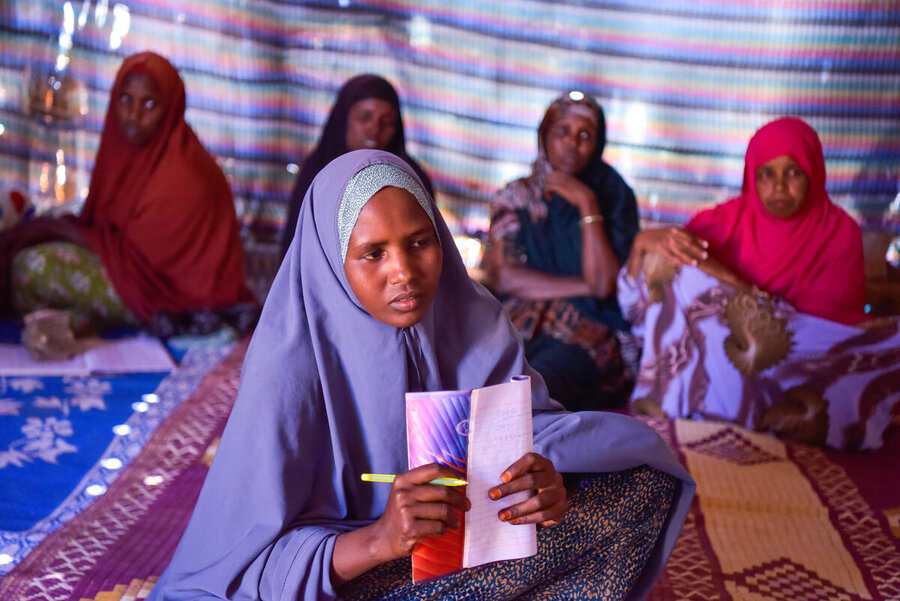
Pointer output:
x,y
321,400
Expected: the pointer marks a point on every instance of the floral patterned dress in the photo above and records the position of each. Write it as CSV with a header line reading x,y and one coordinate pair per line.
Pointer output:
x,y
62,275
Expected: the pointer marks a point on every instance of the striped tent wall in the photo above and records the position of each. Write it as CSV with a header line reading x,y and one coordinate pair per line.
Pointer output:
x,y
684,84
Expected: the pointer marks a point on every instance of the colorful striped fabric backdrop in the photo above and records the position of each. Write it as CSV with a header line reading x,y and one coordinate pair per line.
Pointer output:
x,y
684,84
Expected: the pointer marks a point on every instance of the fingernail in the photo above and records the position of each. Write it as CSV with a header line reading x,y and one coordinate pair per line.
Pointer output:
x,y
514,521
494,494
705,244
506,476
705,255
468,505
503,515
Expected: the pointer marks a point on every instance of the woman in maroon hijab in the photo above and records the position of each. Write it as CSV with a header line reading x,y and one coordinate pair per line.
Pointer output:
x,y
749,313
158,234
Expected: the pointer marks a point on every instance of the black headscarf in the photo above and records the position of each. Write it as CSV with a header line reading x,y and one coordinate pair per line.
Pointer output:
x,y
333,142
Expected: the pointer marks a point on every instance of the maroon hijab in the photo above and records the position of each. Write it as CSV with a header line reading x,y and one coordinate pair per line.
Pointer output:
x,y
814,258
161,216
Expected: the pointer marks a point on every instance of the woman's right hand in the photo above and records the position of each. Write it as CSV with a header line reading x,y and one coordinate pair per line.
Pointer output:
x,y
673,243
416,509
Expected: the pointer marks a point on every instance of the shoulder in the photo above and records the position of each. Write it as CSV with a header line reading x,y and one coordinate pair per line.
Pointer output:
x,y
847,233
727,212
512,194
609,186
426,181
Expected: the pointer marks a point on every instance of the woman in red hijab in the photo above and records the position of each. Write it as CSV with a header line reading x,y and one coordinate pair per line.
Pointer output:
x,y
782,234
748,313
159,217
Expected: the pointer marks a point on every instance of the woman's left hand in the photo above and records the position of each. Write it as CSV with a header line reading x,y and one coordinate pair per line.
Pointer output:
x,y
572,190
532,472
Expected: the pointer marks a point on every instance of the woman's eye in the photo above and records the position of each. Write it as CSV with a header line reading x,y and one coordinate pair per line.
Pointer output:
x,y
149,103
124,98
422,242
374,255
584,135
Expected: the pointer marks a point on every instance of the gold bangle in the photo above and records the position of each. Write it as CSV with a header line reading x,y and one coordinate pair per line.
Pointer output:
x,y
589,219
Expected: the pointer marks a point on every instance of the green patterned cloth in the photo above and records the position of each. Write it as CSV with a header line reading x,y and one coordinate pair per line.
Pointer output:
x,y
597,551
62,275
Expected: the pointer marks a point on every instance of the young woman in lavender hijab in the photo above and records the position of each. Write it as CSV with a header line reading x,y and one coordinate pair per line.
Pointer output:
x,y
373,301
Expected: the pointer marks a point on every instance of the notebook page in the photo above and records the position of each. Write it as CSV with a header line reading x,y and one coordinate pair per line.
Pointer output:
x,y
499,434
15,361
138,354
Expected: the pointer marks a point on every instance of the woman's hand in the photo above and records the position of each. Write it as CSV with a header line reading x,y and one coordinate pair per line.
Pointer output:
x,y
532,472
416,509
681,248
573,191
673,243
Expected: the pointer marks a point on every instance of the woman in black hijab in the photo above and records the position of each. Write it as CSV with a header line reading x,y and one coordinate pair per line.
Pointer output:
x,y
366,114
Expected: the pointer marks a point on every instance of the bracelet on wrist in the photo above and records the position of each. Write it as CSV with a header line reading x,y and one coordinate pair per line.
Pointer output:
x,y
587,219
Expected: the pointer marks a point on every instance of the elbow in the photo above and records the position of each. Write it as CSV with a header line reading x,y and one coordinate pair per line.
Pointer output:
x,y
604,287
498,281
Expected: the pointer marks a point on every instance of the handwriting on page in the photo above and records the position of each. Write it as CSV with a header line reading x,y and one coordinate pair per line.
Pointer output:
x,y
499,434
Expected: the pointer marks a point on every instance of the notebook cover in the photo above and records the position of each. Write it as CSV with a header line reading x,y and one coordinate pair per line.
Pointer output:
x,y
437,431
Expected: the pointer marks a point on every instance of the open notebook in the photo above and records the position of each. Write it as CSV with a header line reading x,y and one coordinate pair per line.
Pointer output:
x,y
478,433
137,354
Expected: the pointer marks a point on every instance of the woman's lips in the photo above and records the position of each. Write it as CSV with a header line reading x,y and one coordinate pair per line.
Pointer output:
x,y
408,301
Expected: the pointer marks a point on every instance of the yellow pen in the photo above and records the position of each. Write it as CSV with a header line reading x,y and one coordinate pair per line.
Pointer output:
x,y
390,478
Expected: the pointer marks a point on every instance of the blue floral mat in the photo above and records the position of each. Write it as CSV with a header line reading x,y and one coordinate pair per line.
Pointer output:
x,y
63,440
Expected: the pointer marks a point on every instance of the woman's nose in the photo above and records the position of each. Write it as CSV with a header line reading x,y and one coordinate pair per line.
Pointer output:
x,y
401,269
781,181
372,129
133,112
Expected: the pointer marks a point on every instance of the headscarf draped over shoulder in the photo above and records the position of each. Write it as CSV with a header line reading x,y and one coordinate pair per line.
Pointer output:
x,y
161,216
321,401
812,259
527,192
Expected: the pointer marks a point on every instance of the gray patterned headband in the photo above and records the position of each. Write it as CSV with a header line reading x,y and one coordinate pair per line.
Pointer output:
x,y
364,185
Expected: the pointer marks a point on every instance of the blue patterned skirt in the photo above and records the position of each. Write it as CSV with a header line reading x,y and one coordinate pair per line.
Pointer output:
x,y
597,551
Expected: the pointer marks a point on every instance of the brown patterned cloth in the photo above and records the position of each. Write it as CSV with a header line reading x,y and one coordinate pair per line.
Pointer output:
x,y
715,352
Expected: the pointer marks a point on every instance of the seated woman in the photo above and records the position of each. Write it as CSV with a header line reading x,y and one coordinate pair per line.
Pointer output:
x,y
374,301
748,313
366,114
158,236
557,240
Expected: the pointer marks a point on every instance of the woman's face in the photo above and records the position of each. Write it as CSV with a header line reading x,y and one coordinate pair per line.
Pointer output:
x,y
393,262
570,142
371,124
782,186
139,108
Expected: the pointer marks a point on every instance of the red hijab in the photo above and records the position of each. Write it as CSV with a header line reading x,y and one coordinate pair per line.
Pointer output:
x,y
814,258
161,216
